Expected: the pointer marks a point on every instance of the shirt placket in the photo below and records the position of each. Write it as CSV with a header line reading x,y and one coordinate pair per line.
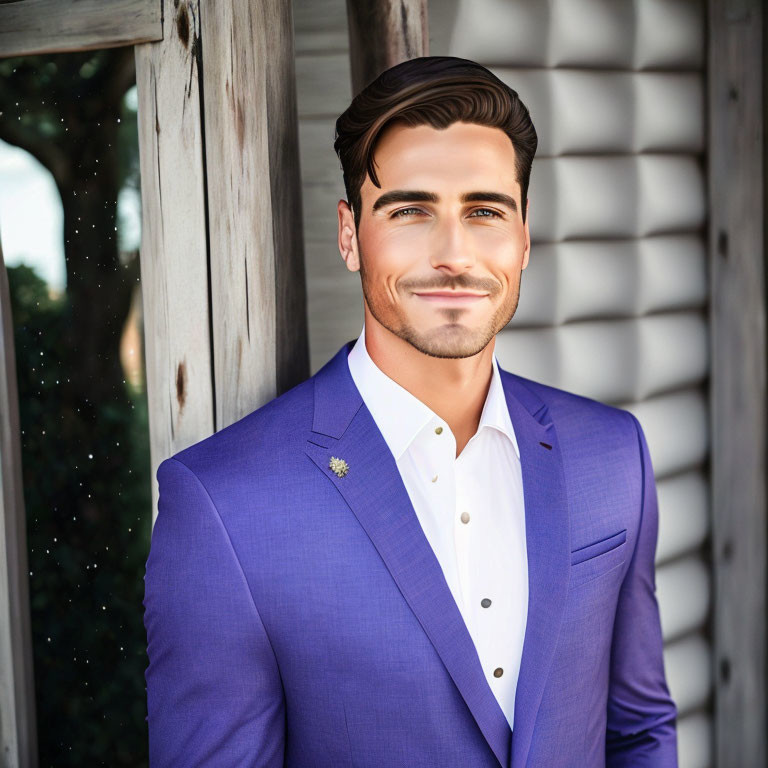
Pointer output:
x,y
440,447
463,526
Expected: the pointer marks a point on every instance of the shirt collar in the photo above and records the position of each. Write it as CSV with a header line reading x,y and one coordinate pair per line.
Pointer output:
x,y
400,416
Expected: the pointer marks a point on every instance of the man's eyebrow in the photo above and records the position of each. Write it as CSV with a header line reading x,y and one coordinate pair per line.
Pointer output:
x,y
490,197
418,196
405,196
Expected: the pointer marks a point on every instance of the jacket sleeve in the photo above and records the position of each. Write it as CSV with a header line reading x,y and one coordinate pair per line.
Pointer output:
x,y
641,727
214,693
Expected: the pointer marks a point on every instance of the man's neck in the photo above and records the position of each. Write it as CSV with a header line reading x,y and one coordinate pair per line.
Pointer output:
x,y
454,388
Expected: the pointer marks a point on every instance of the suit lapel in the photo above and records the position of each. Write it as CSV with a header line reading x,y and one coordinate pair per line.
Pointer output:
x,y
547,529
374,491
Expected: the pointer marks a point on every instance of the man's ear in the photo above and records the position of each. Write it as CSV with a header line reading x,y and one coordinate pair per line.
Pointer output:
x,y
348,246
527,251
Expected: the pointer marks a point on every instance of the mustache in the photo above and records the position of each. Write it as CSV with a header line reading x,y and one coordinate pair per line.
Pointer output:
x,y
459,282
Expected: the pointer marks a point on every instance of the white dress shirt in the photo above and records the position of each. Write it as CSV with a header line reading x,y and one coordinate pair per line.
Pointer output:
x,y
470,508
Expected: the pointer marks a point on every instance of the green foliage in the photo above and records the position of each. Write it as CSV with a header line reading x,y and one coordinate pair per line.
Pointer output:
x,y
50,95
87,487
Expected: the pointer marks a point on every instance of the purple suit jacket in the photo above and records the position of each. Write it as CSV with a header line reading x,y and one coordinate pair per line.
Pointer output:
x,y
296,618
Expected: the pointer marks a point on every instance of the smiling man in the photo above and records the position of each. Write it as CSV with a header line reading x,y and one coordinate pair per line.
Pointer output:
x,y
415,557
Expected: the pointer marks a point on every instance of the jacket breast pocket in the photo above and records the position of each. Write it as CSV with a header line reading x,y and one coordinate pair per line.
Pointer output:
x,y
596,559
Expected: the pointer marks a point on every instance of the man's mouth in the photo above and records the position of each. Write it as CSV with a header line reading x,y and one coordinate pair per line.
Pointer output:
x,y
451,297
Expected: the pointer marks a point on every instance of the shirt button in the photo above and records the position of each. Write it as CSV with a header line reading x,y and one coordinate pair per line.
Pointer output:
x,y
485,602
438,430
465,517
434,479
498,672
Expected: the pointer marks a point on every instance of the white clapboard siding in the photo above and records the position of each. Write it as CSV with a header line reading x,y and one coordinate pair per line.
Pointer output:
x,y
694,740
613,302
689,675
684,526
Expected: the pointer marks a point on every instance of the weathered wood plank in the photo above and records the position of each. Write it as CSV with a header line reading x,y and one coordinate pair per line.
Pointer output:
x,y
49,26
18,732
254,204
738,383
174,263
383,33
292,353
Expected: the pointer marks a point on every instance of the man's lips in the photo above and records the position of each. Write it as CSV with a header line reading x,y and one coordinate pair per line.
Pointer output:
x,y
451,297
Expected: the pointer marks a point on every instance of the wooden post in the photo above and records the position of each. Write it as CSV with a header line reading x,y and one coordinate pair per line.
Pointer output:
x,y
18,731
383,33
258,290
222,261
174,255
738,380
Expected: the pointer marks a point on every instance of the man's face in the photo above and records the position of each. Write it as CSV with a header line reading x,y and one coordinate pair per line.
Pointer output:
x,y
441,245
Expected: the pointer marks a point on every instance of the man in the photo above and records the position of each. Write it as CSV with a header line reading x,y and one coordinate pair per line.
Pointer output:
x,y
415,557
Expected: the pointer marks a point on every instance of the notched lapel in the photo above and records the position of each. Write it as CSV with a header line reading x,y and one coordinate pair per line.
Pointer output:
x,y
547,532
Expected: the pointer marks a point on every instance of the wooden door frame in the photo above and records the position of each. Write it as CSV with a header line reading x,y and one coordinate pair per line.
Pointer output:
x,y
76,25
221,209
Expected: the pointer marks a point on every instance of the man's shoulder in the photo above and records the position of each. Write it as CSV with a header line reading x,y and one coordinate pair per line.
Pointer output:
x,y
574,414
256,439
600,445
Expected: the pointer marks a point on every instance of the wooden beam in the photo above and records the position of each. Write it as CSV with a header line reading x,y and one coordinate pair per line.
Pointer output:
x,y
49,26
174,261
738,379
292,343
258,291
18,731
222,259
383,33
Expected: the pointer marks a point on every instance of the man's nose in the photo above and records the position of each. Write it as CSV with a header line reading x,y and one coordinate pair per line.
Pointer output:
x,y
452,248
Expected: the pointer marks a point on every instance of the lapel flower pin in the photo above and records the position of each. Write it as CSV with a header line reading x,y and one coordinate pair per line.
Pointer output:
x,y
339,466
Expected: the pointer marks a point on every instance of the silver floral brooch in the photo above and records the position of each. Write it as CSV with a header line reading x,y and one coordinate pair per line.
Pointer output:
x,y
338,466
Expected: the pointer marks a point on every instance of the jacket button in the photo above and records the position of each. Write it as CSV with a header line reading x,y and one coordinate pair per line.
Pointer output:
x,y
485,602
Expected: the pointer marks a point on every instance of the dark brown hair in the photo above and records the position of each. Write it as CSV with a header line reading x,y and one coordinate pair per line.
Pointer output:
x,y
436,91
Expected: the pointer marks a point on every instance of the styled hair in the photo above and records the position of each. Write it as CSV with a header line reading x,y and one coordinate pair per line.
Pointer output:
x,y
436,91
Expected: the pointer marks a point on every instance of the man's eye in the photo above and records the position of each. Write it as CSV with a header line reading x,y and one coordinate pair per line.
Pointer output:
x,y
494,214
487,210
403,210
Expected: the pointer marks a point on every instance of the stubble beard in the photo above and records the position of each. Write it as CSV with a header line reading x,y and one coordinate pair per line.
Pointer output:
x,y
450,340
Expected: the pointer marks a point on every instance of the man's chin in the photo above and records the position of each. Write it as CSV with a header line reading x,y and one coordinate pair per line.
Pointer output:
x,y
453,341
